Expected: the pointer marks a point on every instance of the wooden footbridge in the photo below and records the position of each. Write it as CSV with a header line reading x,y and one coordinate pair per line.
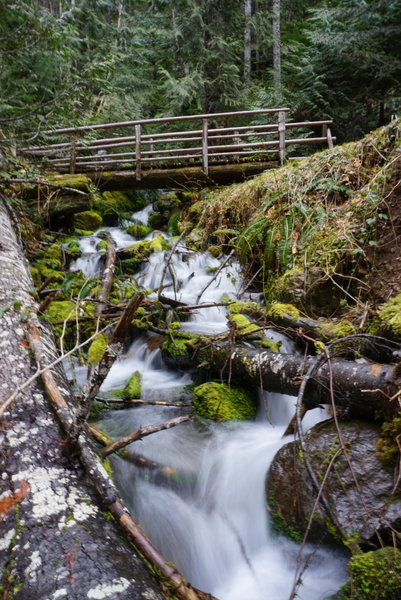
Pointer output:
x,y
156,153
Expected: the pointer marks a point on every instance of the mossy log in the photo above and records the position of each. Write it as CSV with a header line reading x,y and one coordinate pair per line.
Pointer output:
x,y
363,390
56,540
181,177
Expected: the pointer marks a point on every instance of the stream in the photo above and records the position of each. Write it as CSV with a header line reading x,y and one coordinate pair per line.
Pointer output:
x,y
211,521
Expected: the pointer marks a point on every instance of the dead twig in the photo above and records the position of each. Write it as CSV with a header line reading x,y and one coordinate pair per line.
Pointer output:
x,y
143,432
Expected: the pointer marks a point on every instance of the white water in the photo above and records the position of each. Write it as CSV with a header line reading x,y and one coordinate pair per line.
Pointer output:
x,y
213,524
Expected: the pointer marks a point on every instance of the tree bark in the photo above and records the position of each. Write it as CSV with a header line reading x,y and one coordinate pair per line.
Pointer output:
x,y
277,51
247,45
55,541
362,390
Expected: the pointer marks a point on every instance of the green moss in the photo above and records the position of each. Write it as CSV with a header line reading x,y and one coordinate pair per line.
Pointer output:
x,y
46,272
270,345
281,310
80,182
374,575
280,525
138,231
83,232
54,251
330,331
242,324
219,402
61,311
387,446
214,251
133,387
87,220
97,349
390,315
244,308
177,348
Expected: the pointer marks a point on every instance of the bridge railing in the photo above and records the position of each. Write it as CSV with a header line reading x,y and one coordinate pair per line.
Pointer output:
x,y
156,143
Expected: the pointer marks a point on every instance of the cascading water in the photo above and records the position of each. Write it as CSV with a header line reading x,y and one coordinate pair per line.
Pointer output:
x,y
210,517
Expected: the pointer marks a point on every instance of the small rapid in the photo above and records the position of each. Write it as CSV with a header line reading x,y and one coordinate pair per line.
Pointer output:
x,y
209,516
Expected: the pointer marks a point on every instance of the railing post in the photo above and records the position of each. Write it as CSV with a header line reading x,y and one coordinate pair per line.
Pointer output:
x,y
236,140
205,154
138,170
73,153
281,136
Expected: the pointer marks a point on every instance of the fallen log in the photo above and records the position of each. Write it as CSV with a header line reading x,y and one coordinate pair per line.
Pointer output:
x,y
363,390
56,540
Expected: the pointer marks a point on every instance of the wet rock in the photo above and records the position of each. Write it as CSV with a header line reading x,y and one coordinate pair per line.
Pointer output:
x,y
362,509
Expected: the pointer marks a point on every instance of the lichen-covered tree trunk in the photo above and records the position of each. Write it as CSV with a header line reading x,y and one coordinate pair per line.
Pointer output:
x,y
55,540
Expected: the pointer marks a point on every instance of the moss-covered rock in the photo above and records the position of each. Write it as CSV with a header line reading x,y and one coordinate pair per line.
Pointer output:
x,y
138,231
88,220
112,205
214,251
219,402
133,387
97,349
374,575
131,391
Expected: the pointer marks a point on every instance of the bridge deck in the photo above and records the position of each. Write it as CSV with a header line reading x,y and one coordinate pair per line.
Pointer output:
x,y
151,150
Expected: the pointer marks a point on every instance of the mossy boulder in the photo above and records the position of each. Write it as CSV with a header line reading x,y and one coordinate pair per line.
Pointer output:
x,y
88,220
374,575
291,495
132,389
138,231
112,205
219,402
163,208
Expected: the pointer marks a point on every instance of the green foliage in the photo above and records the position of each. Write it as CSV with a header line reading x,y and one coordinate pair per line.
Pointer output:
x,y
219,402
133,387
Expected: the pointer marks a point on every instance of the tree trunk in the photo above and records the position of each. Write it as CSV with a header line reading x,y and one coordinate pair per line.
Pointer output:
x,y
55,540
276,51
247,45
363,390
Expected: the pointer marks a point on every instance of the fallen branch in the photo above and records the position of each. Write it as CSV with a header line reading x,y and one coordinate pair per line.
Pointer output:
x,y
221,267
140,402
143,432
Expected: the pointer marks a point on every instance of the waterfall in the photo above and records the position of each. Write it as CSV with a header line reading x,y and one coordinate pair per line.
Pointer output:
x,y
211,520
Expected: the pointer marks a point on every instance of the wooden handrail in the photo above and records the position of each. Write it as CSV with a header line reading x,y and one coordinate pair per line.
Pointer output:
x,y
205,145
